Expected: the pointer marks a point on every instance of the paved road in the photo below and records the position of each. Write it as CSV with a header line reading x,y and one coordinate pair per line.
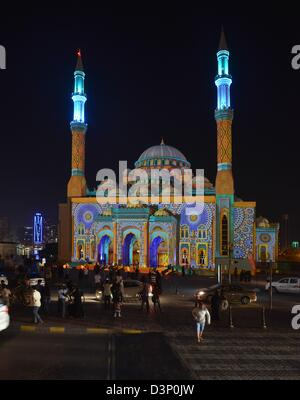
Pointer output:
x,y
239,355
247,351
37,356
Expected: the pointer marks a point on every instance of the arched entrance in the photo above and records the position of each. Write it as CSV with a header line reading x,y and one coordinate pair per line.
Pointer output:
x,y
131,250
105,250
159,256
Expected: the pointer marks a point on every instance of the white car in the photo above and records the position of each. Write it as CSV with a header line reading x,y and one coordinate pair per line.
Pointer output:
x,y
132,289
34,281
285,285
4,316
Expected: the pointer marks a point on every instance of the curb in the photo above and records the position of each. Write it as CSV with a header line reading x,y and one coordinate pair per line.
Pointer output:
x,y
92,330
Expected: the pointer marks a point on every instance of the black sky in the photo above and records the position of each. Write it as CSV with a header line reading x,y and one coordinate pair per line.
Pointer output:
x,y
148,77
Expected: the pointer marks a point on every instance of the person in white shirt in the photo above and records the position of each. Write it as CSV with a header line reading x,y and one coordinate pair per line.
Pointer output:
x,y
200,314
107,294
36,304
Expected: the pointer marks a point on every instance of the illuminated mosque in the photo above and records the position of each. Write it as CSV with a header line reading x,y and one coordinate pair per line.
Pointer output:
x,y
162,234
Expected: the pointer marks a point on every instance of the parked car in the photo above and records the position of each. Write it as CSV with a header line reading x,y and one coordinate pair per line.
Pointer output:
x,y
4,315
232,293
285,285
132,289
34,281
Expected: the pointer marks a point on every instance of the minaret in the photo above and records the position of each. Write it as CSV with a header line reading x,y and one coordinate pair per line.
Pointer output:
x,y
224,117
224,180
77,183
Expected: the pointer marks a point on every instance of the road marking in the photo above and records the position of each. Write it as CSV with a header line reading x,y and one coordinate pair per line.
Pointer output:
x,y
111,367
98,330
132,331
27,328
57,329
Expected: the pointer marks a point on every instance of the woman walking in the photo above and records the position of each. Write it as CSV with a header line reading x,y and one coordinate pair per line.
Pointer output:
x,y
200,314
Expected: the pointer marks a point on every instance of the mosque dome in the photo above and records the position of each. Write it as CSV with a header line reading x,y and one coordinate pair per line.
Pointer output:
x,y
163,156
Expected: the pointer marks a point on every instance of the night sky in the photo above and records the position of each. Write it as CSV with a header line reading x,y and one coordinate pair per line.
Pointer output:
x,y
147,77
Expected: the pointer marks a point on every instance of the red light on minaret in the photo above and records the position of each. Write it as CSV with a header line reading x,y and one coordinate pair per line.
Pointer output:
x,y
79,53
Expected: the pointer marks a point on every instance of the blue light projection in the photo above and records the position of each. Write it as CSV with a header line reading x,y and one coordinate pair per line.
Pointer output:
x,y
79,97
38,229
223,80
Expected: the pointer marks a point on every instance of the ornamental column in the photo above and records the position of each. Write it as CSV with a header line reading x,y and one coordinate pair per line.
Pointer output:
x,y
146,243
115,226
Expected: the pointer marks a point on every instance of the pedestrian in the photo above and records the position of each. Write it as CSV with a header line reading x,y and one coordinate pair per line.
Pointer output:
x,y
77,302
36,305
107,294
117,298
215,306
75,308
145,296
158,282
200,314
155,298
97,280
80,274
62,298
46,299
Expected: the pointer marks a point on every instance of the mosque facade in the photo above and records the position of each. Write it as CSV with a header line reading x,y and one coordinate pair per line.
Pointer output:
x,y
158,233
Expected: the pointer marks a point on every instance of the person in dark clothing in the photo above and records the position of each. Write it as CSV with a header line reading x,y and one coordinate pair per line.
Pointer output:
x,y
145,296
47,298
183,270
155,297
215,306
80,275
117,298
158,282
75,308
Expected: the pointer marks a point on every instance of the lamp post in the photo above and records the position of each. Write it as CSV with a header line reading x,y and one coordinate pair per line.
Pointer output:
x,y
230,248
271,280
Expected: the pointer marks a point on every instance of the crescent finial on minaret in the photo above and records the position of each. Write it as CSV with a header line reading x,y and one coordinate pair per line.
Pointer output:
x,y
79,65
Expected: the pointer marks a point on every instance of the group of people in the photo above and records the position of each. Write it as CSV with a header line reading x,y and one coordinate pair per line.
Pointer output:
x,y
114,290
151,288
70,300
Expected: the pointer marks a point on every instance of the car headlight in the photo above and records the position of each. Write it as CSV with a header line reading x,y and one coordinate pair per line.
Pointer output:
x,y
201,293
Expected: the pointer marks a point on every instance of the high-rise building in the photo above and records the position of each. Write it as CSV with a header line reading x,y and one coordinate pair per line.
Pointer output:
x,y
5,232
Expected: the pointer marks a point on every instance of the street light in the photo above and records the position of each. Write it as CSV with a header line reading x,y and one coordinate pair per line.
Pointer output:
x,y
230,248
271,280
